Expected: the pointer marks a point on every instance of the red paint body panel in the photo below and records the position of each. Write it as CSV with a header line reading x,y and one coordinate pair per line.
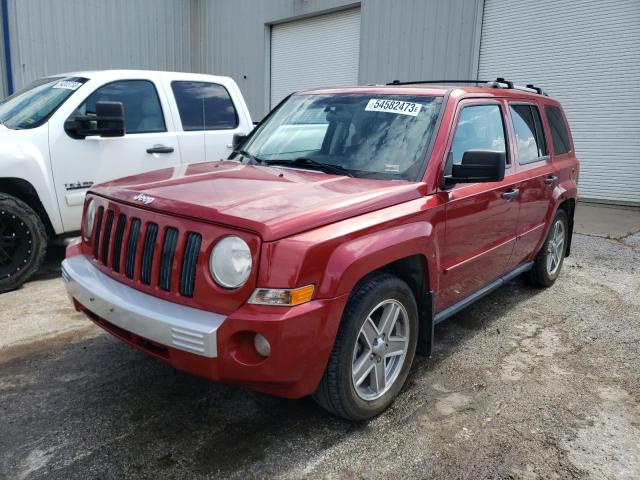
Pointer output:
x,y
330,231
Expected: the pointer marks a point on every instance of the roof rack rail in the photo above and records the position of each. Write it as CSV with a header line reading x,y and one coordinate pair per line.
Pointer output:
x,y
497,83
398,82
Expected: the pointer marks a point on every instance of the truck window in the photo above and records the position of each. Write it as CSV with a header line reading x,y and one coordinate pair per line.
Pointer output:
x,y
204,106
480,127
559,133
142,109
530,141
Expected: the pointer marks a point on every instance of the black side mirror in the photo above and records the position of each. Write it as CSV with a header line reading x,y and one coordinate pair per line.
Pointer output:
x,y
478,166
238,141
108,121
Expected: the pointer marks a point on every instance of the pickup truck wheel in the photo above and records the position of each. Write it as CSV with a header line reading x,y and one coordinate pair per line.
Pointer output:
x,y
373,351
23,242
549,260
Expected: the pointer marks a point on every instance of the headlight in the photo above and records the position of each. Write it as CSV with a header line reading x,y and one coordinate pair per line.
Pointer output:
x,y
230,262
89,219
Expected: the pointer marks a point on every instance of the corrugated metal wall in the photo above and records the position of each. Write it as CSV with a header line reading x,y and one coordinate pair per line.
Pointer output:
x,y
50,37
419,39
405,39
586,53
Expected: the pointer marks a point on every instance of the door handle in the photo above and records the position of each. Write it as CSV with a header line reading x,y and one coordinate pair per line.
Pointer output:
x,y
551,180
511,194
160,149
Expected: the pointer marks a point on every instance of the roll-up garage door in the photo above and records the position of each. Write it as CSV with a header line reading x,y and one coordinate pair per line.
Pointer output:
x,y
587,55
315,52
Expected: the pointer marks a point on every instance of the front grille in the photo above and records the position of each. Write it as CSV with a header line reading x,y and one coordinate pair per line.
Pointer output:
x,y
167,259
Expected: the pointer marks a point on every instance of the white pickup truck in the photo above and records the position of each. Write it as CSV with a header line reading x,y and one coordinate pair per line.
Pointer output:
x,y
64,133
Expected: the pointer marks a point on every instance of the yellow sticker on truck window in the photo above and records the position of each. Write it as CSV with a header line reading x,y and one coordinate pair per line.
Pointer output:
x,y
393,106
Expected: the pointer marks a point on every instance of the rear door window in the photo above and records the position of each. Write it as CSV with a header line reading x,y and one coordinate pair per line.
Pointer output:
x,y
530,140
204,106
559,133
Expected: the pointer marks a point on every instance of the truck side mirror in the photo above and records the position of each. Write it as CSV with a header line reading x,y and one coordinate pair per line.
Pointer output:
x,y
108,121
238,141
478,166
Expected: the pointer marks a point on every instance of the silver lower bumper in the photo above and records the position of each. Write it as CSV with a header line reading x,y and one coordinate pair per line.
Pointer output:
x,y
164,322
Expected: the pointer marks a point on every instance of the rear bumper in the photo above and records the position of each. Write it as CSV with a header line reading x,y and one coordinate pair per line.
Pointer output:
x,y
208,344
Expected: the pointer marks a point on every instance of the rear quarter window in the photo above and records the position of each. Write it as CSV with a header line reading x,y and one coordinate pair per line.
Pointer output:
x,y
559,132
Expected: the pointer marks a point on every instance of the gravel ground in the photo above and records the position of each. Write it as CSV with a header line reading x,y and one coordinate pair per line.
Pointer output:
x,y
524,384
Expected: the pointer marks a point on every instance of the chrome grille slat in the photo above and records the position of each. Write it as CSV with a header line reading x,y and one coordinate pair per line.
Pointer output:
x,y
166,260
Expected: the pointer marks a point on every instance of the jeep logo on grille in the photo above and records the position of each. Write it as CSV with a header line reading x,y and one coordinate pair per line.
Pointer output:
x,y
141,197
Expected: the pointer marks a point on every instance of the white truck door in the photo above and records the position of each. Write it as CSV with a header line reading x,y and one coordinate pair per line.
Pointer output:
x,y
209,114
150,143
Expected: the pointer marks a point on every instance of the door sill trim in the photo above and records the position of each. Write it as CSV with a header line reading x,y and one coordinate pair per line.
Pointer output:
x,y
465,302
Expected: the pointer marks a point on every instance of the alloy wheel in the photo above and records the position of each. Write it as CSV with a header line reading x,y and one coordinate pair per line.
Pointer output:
x,y
380,349
555,247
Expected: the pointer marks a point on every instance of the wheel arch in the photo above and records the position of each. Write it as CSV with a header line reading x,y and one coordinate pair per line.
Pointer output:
x,y
26,192
408,252
414,271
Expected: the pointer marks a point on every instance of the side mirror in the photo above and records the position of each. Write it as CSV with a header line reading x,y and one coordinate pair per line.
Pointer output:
x,y
238,140
478,166
108,121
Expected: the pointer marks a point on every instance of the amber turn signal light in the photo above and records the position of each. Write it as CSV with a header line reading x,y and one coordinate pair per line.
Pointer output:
x,y
282,296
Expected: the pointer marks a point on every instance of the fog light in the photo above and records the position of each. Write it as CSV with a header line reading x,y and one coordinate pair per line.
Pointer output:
x,y
262,345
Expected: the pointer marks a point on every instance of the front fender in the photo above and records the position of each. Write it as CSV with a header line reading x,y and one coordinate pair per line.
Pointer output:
x,y
27,159
351,261
335,257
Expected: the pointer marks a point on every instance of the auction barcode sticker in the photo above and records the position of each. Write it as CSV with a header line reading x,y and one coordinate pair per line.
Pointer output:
x,y
67,85
393,106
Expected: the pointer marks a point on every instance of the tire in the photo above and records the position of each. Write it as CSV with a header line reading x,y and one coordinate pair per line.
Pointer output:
x,y
23,242
548,262
378,296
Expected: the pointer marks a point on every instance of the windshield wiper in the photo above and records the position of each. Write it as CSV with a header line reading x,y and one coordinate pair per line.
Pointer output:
x,y
309,163
250,156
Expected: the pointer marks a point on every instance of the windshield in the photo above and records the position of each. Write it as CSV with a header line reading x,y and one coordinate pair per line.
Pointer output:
x,y
33,105
374,136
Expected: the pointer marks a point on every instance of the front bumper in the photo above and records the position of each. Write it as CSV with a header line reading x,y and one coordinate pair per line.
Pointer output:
x,y
152,318
208,344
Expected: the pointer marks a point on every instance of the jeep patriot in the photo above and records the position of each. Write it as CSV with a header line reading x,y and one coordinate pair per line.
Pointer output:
x,y
317,259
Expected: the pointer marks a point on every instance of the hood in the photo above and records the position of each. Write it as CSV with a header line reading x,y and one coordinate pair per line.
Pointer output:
x,y
273,202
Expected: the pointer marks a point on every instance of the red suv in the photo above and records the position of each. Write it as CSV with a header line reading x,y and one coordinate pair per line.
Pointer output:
x,y
319,257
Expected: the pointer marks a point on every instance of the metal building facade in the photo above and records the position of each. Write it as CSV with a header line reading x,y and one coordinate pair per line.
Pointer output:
x,y
411,39
591,63
407,40
49,37
568,48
